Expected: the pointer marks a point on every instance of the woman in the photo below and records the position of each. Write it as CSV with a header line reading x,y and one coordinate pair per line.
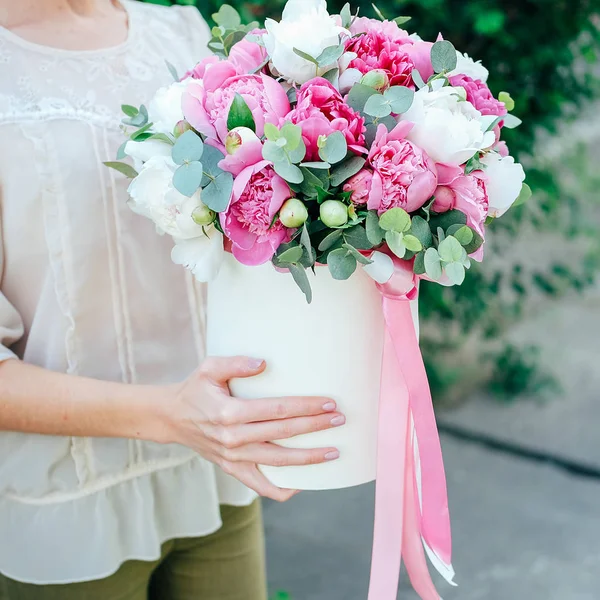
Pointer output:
x,y
108,446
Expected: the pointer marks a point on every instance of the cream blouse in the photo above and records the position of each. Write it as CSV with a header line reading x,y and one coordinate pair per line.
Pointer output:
x,y
88,288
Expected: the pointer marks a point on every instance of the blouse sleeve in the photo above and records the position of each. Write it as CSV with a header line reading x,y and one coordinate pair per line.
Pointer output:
x,y
11,324
199,33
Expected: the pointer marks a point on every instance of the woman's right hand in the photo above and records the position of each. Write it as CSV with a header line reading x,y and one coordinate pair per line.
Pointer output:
x,y
237,434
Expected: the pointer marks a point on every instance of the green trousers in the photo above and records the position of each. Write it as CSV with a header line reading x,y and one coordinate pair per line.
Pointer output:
x,y
226,565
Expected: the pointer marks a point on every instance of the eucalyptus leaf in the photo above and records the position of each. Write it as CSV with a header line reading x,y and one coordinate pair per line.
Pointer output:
x,y
378,12
445,220
395,219
306,56
511,122
286,170
130,111
378,106
217,194
524,196
402,20
227,17
464,235
412,243
395,241
341,264
443,56
357,236
330,55
240,114
187,179
273,152
316,165
162,137
291,255
335,148
400,98
188,148
173,71
433,265
298,154
417,79
306,242
342,172
450,250
333,76
346,15
301,279
419,264
121,151
363,260
330,240
455,273
420,229
211,157
292,134
310,183
358,96
271,132
233,38
375,233
123,168
475,244
136,135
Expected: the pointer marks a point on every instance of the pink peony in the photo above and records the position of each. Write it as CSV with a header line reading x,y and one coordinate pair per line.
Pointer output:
x,y
258,194
403,175
502,149
479,95
360,186
375,50
247,56
206,106
388,28
466,193
321,110
200,69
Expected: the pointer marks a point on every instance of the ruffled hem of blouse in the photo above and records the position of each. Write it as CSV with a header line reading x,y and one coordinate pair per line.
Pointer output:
x,y
128,521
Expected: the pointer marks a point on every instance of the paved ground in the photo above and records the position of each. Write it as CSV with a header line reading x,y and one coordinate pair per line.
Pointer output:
x,y
523,529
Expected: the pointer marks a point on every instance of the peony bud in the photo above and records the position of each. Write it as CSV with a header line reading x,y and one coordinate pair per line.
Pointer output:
x,y
238,136
202,215
293,213
377,79
334,213
181,128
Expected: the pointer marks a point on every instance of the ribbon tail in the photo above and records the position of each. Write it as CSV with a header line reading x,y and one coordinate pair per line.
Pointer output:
x,y
412,547
434,515
389,492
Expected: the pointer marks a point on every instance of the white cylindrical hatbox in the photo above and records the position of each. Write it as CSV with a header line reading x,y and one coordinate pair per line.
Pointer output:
x,y
332,348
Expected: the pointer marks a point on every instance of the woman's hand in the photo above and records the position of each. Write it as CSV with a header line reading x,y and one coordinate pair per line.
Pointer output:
x,y
237,434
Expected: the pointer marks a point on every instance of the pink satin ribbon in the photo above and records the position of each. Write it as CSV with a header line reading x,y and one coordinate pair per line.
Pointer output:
x,y
404,519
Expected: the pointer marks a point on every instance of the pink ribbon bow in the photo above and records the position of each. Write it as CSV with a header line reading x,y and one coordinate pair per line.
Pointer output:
x,y
411,503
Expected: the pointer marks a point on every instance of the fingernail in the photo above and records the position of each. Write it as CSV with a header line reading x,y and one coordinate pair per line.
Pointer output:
x,y
329,406
332,455
337,421
255,363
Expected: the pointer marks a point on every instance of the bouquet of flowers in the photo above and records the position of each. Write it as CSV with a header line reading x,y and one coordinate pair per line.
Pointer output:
x,y
342,150
325,140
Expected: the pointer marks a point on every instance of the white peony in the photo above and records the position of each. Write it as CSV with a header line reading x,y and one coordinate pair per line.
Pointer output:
x,y
141,152
165,109
307,26
202,255
505,180
467,66
449,129
152,195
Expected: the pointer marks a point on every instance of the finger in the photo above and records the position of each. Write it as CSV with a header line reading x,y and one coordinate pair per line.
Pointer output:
x,y
251,477
270,409
270,431
278,456
222,369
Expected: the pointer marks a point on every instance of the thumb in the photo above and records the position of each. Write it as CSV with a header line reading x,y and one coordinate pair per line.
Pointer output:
x,y
222,369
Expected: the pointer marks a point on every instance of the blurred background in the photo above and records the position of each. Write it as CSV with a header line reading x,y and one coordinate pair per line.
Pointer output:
x,y
514,354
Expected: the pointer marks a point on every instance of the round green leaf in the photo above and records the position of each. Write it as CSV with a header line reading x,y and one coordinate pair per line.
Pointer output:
x,y
395,219
273,152
433,266
450,250
335,148
464,235
187,179
421,230
217,194
291,255
412,243
188,148
341,264
455,272
443,56
291,173
395,241
375,233
400,98
378,106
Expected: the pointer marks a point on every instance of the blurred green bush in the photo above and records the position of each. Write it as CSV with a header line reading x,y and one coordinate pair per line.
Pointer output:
x,y
543,52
